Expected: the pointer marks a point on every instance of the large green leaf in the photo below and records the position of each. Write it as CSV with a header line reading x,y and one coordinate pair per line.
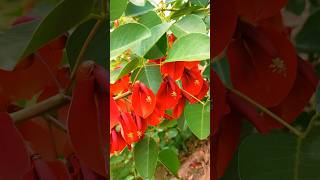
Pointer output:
x,y
308,39
62,18
133,10
170,160
150,20
198,119
188,24
13,43
127,36
97,49
191,47
279,156
149,75
145,157
156,33
117,7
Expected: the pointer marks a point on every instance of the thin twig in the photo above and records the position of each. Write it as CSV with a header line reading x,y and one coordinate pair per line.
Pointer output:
x,y
82,52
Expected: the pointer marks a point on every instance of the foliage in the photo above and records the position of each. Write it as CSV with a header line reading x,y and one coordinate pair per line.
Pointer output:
x,y
159,84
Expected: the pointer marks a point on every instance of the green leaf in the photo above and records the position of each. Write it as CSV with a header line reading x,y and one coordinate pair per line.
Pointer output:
x,y
202,3
138,2
188,24
296,6
150,76
198,119
221,67
130,66
97,49
13,43
133,10
191,47
127,36
170,160
318,99
117,7
159,50
156,33
308,39
278,156
145,157
62,18
149,19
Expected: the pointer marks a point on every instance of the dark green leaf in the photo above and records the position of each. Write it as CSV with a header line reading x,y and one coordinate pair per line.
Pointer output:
x,y
308,39
278,156
202,3
138,2
62,18
97,49
156,33
296,6
145,157
170,160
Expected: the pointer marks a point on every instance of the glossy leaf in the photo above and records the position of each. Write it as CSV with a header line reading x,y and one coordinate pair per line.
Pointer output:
x,y
170,160
138,2
188,24
145,157
198,119
191,47
130,66
127,36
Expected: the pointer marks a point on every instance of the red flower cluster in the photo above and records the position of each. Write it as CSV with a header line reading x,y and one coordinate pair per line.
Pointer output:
x,y
144,107
263,65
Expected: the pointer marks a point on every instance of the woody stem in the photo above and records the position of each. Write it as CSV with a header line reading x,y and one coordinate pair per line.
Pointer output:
x,y
122,95
267,111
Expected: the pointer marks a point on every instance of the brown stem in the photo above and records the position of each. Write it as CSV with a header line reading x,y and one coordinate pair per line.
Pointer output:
x,y
39,108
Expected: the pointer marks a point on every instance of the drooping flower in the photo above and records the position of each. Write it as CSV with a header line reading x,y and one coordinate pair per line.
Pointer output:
x,y
117,143
143,100
173,69
192,81
132,127
168,94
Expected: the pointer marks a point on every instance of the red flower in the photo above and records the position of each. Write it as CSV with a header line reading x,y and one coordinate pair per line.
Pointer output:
x,y
263,64
120,85
143,100
192,81
133,127
156,117
171,39
114,113
173,69
117,143
178,109
168,94
200,96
